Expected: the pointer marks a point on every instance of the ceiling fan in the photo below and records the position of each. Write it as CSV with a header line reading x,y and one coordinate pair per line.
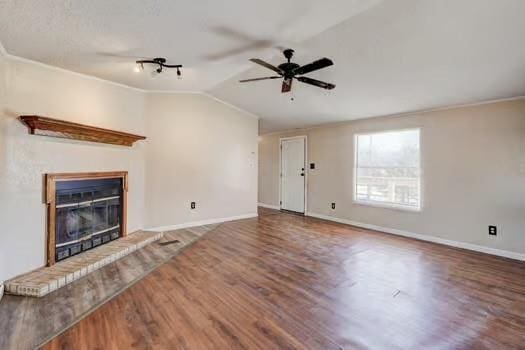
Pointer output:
x,y
290,71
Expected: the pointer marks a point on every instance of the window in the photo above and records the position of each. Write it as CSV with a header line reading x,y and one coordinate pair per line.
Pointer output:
x,y
388,170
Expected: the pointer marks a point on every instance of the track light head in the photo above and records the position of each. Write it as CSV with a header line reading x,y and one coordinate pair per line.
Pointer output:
x,y
139,67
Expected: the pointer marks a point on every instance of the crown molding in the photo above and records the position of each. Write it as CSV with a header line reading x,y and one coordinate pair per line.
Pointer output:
x,y
231,106
3,52
173,92
395,115
202,93
63,70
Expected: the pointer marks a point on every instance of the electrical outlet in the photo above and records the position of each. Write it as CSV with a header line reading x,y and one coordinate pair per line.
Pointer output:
x,y
193,205
312,166
493,230
333,205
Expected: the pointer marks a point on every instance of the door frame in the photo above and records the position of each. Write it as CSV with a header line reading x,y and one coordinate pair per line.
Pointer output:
x,y
305,138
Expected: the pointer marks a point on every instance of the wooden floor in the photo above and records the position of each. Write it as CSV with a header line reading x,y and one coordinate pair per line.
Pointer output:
x,y
287,282
27,322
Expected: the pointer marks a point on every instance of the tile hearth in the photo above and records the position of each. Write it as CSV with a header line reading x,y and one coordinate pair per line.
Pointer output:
x,y
47,279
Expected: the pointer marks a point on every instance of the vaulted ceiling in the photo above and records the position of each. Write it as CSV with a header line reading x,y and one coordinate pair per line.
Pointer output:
x,y
390,56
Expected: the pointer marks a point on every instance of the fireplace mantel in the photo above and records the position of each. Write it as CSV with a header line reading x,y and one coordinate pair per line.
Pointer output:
x,y
45,126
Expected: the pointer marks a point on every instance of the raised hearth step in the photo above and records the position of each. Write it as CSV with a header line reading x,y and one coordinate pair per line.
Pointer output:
x,y
47,279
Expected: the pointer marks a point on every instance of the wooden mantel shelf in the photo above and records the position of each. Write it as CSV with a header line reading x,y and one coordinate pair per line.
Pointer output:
x,y
39,125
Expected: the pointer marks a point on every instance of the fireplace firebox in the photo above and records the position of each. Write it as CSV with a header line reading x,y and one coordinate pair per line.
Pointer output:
x,y
88,214
84,211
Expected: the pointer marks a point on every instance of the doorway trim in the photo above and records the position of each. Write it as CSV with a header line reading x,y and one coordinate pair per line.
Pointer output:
x,y
281,139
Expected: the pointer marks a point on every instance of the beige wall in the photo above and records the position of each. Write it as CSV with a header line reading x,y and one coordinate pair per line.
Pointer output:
x,y
197,149
473,174
203,151
31,88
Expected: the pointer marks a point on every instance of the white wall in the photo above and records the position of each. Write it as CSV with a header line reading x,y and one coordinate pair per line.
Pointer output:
x,y
201,150
473,174
197,149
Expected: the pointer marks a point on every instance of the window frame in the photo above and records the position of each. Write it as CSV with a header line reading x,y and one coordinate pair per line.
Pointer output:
x,y
384,205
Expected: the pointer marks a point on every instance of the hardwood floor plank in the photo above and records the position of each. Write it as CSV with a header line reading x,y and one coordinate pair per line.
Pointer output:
x,y
27,322
284,281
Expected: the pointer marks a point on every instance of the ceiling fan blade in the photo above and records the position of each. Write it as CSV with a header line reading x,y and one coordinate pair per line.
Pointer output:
x,y
258,45
245,41
287,85
315,82
267,65
122,56
256,79
315,65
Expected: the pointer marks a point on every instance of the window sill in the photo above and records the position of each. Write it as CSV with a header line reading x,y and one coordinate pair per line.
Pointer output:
x,y
388,206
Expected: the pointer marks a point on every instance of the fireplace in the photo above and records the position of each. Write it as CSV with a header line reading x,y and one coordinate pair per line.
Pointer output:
x,y
84,211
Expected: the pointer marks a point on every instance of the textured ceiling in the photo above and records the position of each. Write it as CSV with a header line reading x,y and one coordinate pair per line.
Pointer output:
x,y
390,56
212,39
396,57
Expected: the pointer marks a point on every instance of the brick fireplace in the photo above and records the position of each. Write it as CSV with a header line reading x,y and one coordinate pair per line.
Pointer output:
x,y
84,210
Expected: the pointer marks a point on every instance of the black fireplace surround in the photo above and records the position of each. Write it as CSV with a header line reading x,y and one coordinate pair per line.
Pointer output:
x,y
88,214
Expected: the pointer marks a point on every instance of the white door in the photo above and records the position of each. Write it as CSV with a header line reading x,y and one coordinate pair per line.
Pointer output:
x,y
293,174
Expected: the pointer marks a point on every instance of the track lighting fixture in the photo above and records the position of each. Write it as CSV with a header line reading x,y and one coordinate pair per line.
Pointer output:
x,y
161,62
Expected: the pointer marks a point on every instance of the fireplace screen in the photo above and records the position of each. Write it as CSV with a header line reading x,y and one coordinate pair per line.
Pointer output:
x,y
88,214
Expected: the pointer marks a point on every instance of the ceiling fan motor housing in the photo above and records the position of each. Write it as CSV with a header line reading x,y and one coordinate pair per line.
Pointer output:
x,y
288,68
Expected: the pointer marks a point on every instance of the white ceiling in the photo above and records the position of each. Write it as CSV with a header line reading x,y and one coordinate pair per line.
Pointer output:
x,y
104,38
399,56
390,56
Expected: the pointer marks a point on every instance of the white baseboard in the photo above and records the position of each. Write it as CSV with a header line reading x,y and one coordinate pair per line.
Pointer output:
x,y
201,223
434,239
276,207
